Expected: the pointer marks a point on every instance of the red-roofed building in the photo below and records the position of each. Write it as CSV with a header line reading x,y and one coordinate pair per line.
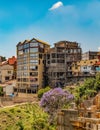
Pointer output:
x,y
13,61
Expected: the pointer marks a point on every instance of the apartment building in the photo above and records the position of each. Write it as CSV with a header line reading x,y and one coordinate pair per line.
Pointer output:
x,y
30,65
58,62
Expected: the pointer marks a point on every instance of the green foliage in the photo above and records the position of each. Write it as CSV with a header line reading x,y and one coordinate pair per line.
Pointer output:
x,y
3,58
1,91
20,125
24,117
97,83
42,91
89,89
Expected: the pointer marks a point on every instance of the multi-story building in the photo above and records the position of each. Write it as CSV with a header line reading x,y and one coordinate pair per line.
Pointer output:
x,y
97,64
90,55
84,67
58,62
30,65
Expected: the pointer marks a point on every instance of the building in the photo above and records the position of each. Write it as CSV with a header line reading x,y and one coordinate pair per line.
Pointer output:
x,y
13,62
6,73
90,55
8,87
30,65
58,62
97,64
84,67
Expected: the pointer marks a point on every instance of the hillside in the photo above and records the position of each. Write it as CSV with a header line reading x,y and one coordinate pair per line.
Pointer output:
x,y
24,117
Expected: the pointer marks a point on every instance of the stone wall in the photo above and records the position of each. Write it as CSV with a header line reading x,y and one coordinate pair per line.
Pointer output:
x,y
64,117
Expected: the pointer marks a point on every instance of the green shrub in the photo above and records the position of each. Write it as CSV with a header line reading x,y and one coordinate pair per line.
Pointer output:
x,y
1,91
42,91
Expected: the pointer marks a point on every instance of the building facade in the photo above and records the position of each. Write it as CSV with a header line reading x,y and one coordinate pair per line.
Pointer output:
x,y
90,55
13,62
30,65
58,62
6,73
84,67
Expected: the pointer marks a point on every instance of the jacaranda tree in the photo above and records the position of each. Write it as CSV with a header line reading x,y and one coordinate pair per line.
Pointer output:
x,y
53,100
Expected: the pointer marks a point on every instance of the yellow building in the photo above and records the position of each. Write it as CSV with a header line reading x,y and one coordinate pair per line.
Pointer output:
x,y
84,67
30,65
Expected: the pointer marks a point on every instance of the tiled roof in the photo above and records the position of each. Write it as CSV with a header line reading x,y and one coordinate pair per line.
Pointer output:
x,y
11,61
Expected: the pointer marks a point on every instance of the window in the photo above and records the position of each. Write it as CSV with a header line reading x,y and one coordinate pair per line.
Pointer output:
x,y
33,44
68,50
48,62
41,49
76,67
18,79
60,61
75,50
25,79
33,79
41,45
25,62
40,56
33,67
26,45
20,52
34,61
9,72
23,68
79,50
25,74
7,78
71,50
33,49
20,47
85,67
26,50
53,61
34,55
33,73
48,56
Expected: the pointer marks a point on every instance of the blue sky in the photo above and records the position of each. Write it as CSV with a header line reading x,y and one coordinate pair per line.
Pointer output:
x,y
50,21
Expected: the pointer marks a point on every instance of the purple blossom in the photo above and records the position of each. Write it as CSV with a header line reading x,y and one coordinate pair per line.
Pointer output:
x,y
55,99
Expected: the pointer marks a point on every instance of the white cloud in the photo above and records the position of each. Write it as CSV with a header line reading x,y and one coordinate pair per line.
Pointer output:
x,y
98,48
56,5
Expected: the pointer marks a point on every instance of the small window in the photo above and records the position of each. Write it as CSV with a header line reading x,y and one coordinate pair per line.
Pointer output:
x,y
9,72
